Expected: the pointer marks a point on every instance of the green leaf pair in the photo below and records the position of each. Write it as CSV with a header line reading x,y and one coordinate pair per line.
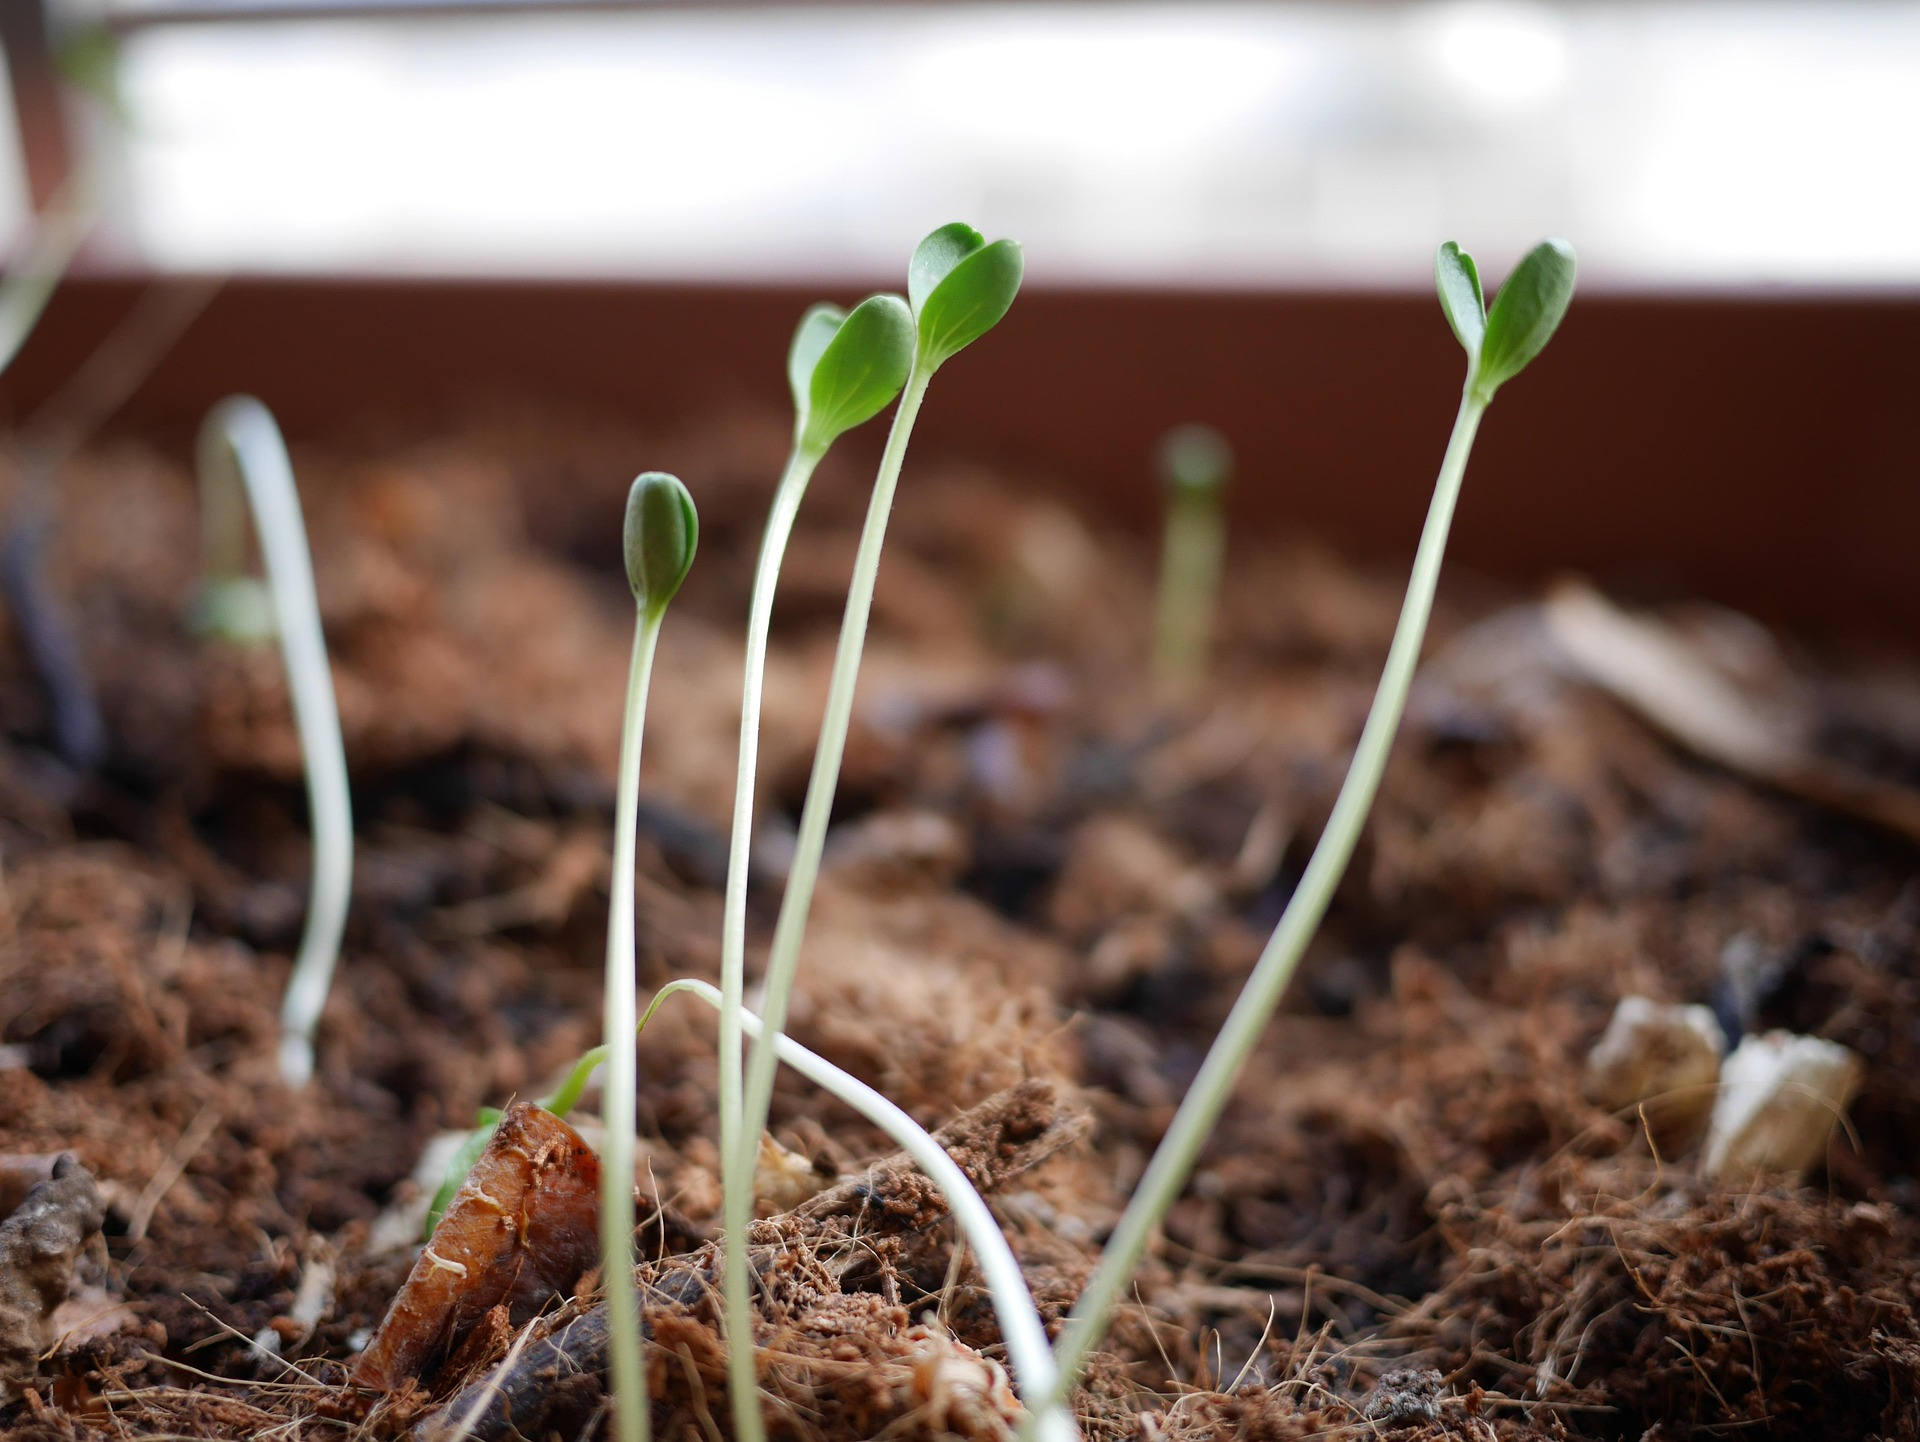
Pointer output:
x,y
845,367
960,287
1500,342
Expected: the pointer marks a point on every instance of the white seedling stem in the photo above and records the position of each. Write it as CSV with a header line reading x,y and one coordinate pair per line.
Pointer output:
x,y
743,1382
56,236
1020,1325
631,1405
783,957
241,432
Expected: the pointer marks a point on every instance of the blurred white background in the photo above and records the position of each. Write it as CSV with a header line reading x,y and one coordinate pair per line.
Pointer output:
x,y
1309,144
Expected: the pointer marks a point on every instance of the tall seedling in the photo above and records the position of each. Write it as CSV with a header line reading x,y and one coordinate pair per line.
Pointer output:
x,y
959,287
1499,343
661,533
844,368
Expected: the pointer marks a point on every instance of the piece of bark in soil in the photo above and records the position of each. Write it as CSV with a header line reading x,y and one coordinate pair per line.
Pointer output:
x,y
39,1244
520,1231
555,1376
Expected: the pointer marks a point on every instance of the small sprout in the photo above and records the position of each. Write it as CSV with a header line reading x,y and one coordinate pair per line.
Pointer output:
x,y
960,287
519,1230
660,534
460,1165
1196,462
241,451
659,537
53,241
1514,333
561,1102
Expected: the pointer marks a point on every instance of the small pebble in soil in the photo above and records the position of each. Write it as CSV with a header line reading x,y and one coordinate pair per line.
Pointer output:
x,y
1781,1096
40,1241
1661,1057
1405,1395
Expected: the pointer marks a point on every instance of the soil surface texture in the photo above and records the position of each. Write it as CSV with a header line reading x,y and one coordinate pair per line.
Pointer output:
x,y
1044,884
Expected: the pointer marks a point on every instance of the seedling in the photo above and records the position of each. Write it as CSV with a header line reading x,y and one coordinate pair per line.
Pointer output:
x,y
959,287
661,533
1499,343
241,450
1196,463
54,239
844,368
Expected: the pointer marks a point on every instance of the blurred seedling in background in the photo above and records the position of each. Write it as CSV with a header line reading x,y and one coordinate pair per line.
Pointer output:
x,y
1499,344
243,465
958,286
659,537
844,368
53,239
1195,464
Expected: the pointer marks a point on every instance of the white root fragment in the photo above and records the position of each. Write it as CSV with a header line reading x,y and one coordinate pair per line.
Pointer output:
x,y
312,1301
1660,1057
1781,1096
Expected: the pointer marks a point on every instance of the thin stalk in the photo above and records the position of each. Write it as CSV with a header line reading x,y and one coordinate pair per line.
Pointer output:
x,y
1189,585
1200,1109
630,1401
743,1382
1019,1318
246,428
53,240
783,958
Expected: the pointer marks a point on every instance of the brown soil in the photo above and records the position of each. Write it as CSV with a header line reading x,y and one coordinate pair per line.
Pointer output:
x,y
1411,1223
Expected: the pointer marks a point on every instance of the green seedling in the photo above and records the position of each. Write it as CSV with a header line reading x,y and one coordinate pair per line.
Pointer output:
x,y
241,451
1499,343
1196,463
55,238
661,533
560,1102
844,368
959,287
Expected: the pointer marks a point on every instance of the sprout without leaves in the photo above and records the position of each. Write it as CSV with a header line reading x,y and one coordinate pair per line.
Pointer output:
x,y
240,438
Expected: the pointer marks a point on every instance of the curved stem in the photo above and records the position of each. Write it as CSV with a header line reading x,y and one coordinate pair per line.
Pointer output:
x,y
244,427
783,958
1013,1304
743,1383
629,1374
1200,1109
